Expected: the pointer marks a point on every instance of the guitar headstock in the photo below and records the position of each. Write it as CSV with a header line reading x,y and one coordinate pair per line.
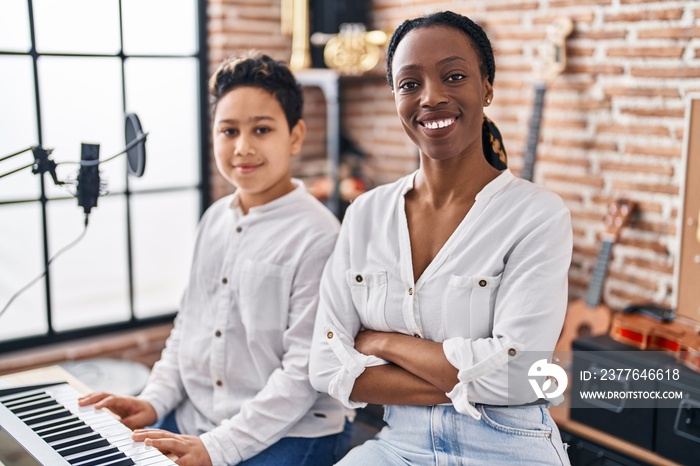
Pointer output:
x,y
619,214
553,53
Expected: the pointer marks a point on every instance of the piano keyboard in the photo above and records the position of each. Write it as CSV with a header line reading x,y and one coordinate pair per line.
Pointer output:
x,y
51,427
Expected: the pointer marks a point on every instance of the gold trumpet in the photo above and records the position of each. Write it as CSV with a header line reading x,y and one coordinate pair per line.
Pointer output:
x,y
353,51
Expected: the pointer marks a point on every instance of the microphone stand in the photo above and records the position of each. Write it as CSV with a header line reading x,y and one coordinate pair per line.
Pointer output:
x,y
42,163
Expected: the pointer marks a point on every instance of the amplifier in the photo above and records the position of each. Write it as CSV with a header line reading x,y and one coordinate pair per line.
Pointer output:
x,y
678,421
594,359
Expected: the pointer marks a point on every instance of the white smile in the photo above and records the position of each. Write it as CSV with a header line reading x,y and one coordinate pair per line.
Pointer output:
x,y
435,124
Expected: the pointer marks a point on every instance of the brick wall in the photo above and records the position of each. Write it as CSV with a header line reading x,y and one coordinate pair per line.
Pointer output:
x,y
613,122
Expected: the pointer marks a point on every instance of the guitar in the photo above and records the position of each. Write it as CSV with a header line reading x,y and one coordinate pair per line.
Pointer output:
x,y
589,316
552,66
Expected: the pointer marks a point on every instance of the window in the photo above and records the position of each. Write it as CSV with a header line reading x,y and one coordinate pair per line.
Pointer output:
x,y
71,70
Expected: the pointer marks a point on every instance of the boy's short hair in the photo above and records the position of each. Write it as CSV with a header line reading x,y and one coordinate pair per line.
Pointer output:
x,y
255,69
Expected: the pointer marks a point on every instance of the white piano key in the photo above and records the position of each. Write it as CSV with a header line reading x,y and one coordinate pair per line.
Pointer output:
x,y
33,401
106,454
55,444
58,410
43,425
9,399
85,453
43,409
65,429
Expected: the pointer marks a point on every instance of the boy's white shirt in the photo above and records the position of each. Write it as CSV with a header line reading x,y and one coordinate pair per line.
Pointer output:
x,y
246,322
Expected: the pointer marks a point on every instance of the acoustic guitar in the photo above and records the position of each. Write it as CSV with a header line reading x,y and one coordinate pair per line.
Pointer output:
x,y
590,316
552,65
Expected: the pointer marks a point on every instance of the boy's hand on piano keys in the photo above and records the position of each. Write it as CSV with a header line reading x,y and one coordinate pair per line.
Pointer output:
x,y
134,412
189,449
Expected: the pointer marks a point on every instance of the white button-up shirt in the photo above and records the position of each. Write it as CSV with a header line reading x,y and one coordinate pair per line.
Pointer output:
x,y
497,287
235,367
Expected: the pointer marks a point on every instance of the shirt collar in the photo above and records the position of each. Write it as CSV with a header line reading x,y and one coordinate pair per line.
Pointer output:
x,y
283,201
490,190
496,185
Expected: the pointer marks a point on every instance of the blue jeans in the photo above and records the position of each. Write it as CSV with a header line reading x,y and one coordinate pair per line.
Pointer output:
x,y
167,423
298,451
289,451
439,435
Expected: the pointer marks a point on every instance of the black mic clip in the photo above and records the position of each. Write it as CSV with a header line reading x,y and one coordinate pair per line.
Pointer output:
x,y
43,164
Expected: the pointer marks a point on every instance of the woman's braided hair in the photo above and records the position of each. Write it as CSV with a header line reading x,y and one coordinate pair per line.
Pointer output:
x,y
494,150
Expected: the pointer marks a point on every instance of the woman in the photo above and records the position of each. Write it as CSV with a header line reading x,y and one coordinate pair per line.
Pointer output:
x,y
447,285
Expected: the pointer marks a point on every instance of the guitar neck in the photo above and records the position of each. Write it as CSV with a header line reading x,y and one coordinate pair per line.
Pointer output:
x,y
595,288
534,132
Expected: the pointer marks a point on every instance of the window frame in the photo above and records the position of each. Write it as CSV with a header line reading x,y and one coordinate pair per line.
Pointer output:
x,y
203,186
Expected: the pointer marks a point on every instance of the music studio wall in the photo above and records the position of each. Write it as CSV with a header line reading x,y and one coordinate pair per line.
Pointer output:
x,y
612,124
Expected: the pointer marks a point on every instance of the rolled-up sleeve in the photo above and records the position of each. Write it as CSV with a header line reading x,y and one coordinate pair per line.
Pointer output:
x,y
335,364
529,311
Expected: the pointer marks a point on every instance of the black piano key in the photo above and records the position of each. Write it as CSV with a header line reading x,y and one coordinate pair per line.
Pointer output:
x,y
26,399
26,388
94,455
40,412
59,426
66,434
110,456
76,441
45,409
49,417
84,447
125,462
30,406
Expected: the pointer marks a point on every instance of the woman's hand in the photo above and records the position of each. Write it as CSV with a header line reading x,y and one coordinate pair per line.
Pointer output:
x,y
189,449
134,412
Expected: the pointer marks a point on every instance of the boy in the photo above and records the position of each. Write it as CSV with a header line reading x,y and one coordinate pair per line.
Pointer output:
x,y
234,373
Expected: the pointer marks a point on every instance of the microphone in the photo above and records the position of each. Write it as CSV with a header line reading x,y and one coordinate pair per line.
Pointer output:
x,y
88,188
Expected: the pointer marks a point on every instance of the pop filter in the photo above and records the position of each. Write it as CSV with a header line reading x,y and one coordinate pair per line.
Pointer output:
x,y
136,145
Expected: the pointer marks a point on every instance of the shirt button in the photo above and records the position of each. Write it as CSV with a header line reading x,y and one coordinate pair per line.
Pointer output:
x,y
512,352
410,291
239,229
483,283
358,278
217,333
329,335
219,383
224,280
